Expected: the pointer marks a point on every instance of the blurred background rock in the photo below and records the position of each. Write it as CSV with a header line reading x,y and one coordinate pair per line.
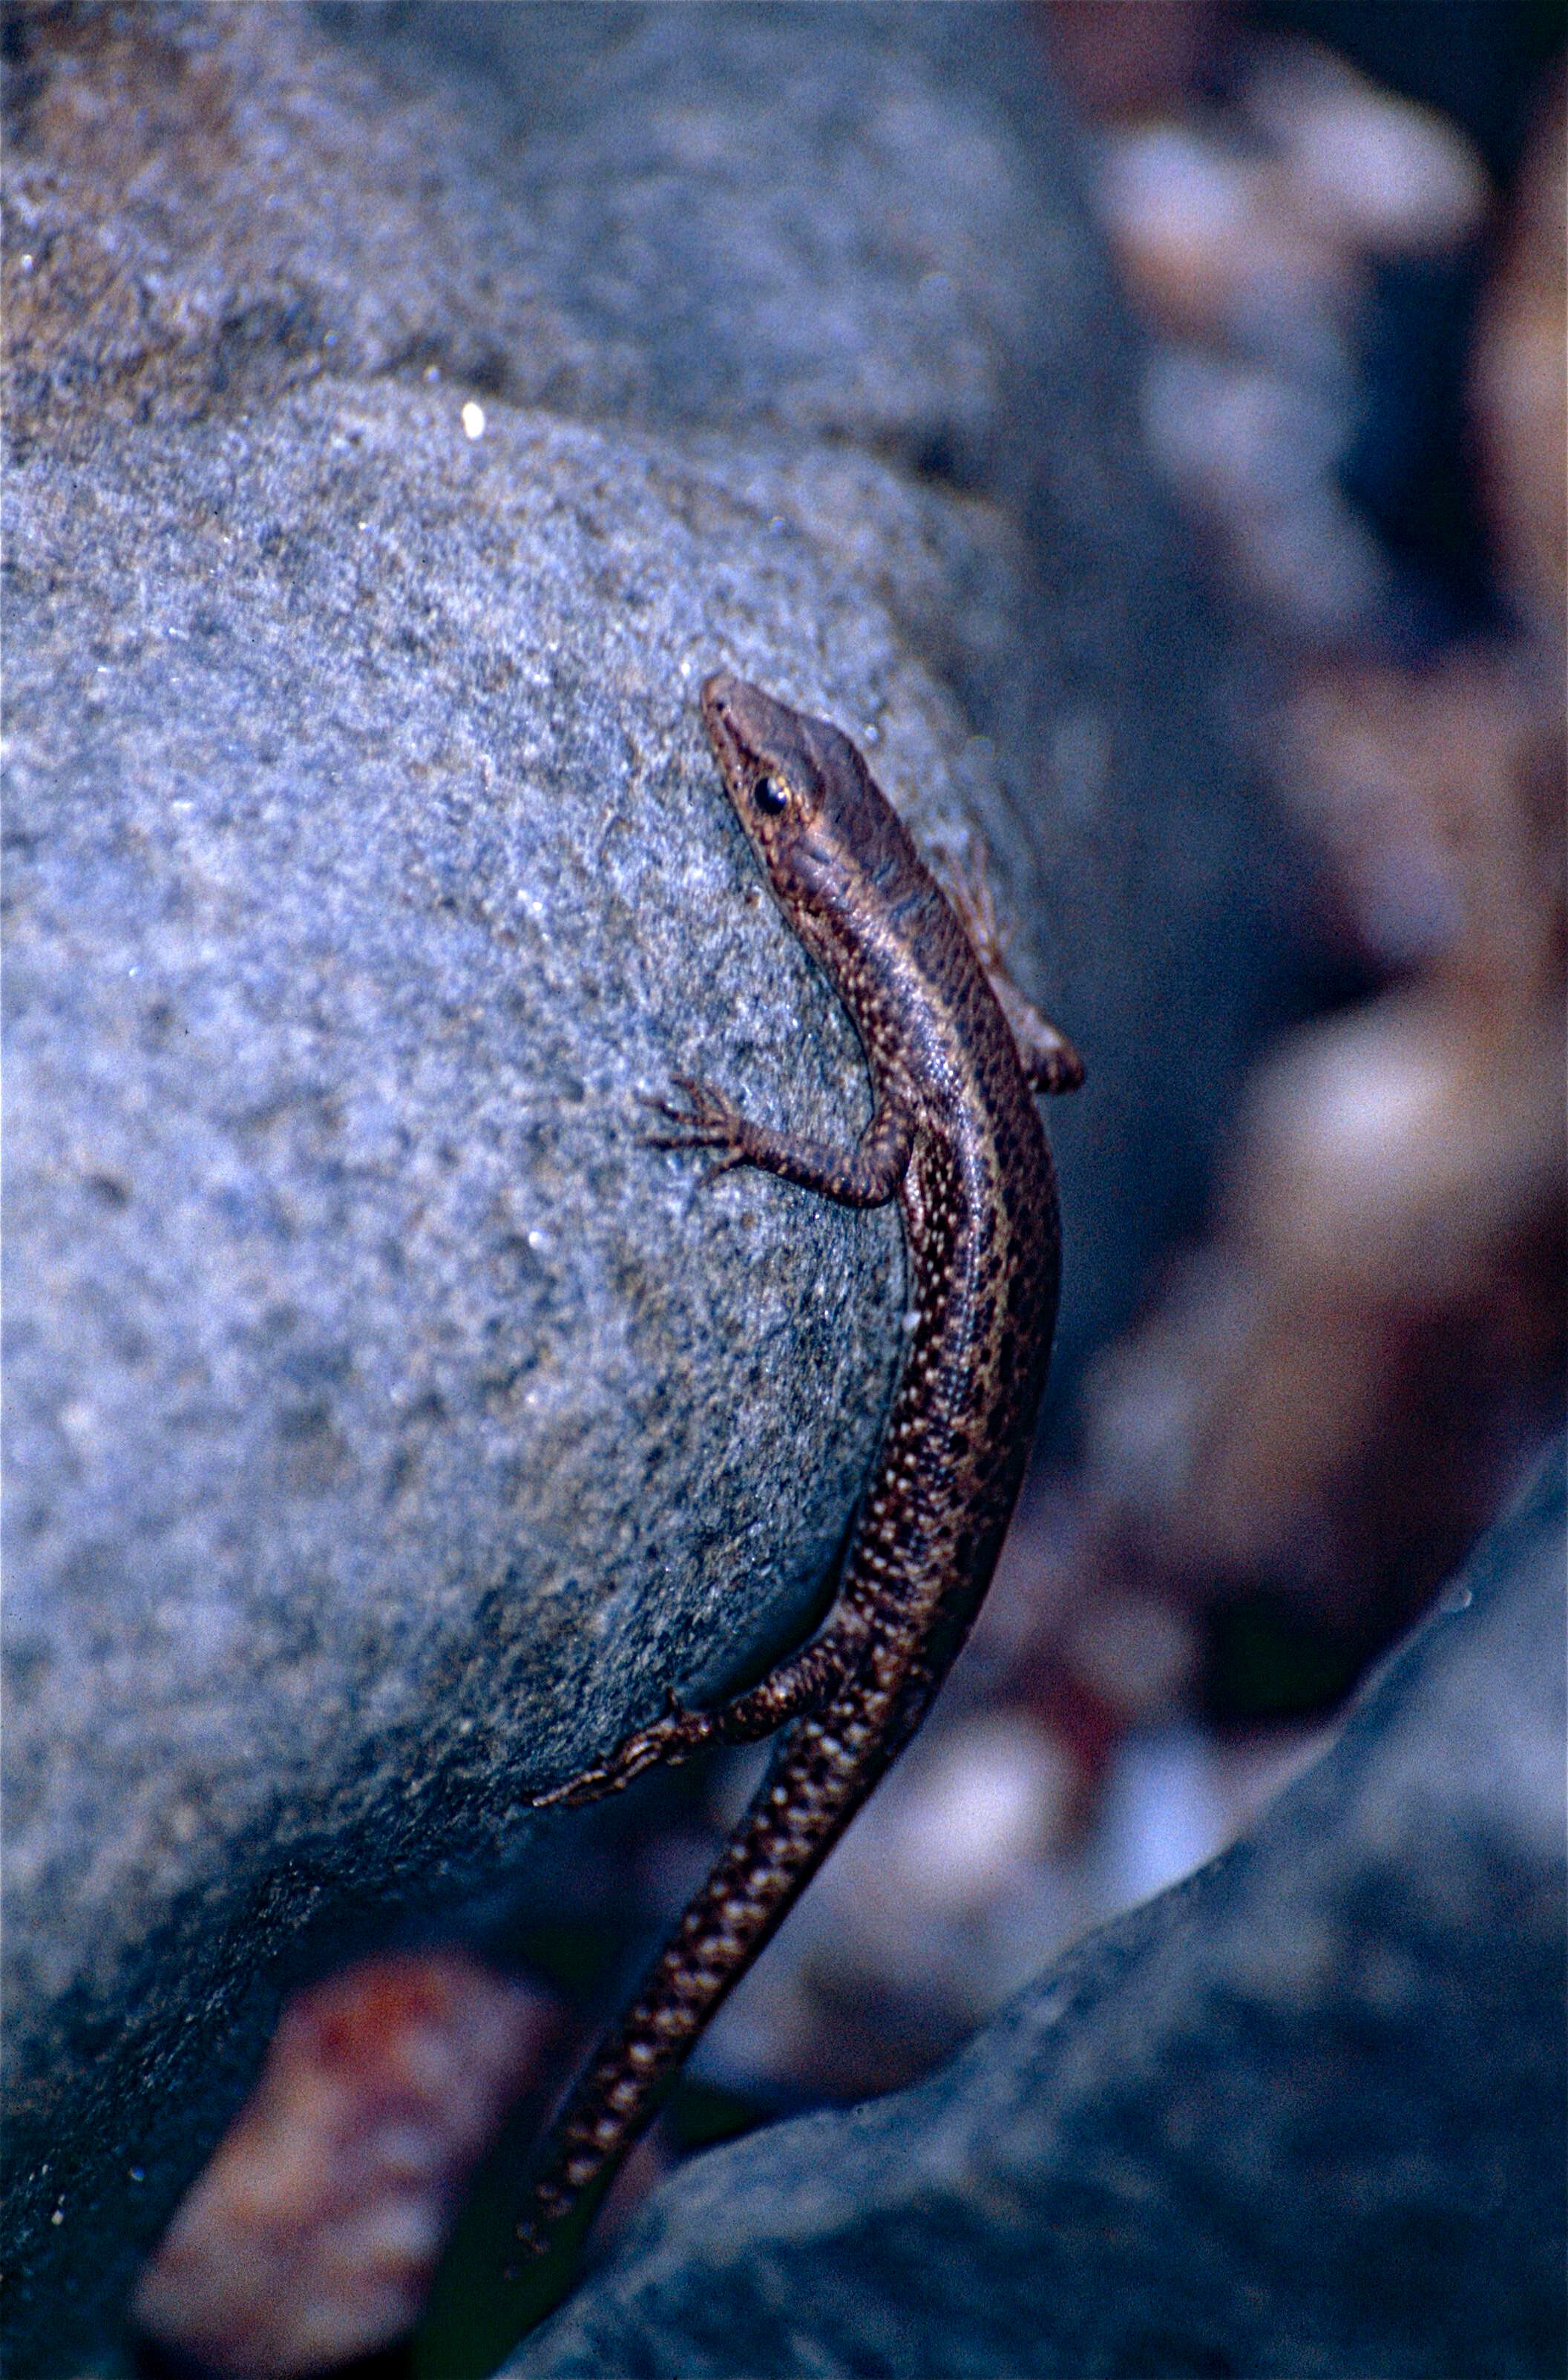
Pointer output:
x,y
1342,230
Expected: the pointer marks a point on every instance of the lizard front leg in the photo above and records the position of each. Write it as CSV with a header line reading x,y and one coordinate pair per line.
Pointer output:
x,y
1050,1063
867,1175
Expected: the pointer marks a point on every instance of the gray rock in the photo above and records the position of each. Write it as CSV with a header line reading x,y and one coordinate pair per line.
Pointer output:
x,y
858,233
387,1425
1301,2116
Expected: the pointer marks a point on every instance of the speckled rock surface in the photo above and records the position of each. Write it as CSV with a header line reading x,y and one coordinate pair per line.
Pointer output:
x,y
387,1425
1302,2116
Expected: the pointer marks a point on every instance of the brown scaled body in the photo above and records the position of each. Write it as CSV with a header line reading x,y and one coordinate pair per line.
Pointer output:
x,y
956,1138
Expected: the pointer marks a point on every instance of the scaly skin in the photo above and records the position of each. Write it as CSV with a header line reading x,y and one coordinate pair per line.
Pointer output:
x,y
954,1136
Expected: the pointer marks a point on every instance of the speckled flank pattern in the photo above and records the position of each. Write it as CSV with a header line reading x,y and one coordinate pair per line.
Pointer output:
x,y
954,1136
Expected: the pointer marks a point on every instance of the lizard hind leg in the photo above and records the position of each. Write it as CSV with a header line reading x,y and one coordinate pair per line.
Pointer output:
x,y
800,1683
673,1738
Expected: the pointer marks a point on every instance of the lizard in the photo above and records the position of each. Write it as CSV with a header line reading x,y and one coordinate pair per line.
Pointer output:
x,y
954,1054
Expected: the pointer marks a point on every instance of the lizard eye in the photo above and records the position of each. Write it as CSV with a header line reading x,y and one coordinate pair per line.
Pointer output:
x,y
770,795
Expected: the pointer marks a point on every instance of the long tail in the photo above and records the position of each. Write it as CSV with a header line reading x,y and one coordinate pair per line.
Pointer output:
x,y
825,1766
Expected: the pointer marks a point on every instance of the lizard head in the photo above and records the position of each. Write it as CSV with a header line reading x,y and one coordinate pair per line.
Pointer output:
x,y
788,778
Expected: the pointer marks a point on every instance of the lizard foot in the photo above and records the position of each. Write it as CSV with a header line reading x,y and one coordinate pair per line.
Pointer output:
x,y
673,1738
710,1119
